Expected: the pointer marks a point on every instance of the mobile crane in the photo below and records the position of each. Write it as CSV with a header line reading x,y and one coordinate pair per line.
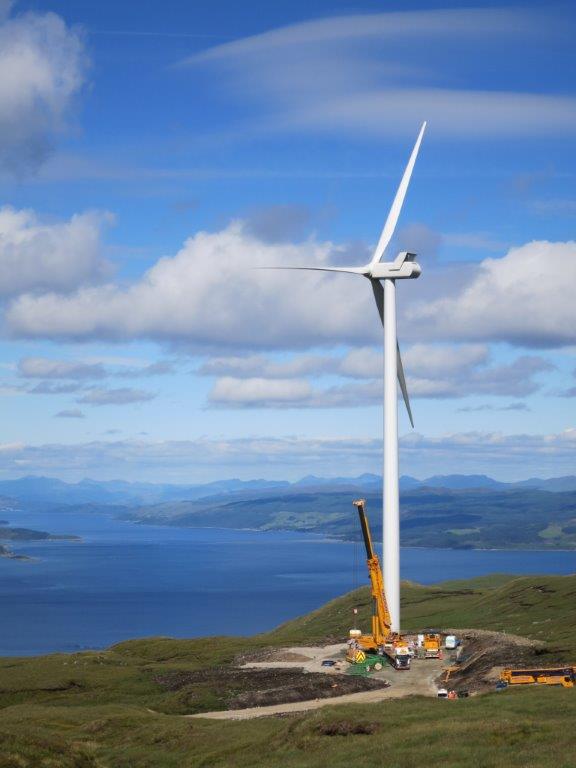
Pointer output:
x,y
382,641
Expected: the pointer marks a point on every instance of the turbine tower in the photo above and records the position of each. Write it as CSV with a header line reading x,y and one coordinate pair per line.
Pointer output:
x,y
383,276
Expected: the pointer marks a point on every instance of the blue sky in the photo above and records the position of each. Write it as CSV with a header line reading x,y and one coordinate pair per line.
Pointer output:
x,y
152,154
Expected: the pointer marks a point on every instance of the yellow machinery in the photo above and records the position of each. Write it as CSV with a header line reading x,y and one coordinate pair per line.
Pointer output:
x,y
565,676
382,641
432,645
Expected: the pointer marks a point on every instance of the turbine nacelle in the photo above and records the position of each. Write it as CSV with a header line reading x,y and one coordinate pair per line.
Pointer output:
x,y
404,266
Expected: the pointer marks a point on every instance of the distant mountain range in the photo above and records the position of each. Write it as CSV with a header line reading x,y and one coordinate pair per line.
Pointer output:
x,y
37,489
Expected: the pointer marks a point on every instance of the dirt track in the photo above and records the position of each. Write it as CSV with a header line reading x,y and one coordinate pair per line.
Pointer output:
x,y
420,680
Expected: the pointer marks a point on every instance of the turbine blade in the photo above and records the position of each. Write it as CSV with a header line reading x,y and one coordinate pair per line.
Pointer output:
x,y
379,296
350,270
402,382
394,214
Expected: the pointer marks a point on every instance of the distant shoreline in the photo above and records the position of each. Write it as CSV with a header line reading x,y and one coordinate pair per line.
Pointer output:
x,y
334,539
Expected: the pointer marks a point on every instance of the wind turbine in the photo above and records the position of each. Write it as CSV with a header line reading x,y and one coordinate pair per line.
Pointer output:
x,y
383,276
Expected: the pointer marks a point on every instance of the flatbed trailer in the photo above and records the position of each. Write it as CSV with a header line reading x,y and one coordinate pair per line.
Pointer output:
x,y
565,676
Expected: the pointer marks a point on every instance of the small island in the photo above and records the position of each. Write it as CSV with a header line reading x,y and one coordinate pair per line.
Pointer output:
x,y
27,534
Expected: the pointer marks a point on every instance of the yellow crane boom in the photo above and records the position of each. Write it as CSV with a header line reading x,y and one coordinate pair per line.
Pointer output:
x,y
382,640
381,632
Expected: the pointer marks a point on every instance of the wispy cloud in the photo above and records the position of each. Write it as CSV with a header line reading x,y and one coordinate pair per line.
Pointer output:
x,y
504,456
46,368
554,206
70,413
521,407
122,396
381,74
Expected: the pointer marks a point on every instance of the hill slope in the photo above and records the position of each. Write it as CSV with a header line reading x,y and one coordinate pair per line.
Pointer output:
x,y
93,710
431,517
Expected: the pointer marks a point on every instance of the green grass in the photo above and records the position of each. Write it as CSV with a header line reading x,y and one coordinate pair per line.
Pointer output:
x,y
517,729
552,531
93,710
539,607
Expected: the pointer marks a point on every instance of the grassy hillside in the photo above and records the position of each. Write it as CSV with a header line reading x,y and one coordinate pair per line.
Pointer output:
x,y
93,710
432,517
539,607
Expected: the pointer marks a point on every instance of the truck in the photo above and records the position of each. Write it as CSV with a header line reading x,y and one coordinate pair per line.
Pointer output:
x,y
432,645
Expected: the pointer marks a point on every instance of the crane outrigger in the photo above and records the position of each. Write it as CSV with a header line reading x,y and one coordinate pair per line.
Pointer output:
x,y
382,641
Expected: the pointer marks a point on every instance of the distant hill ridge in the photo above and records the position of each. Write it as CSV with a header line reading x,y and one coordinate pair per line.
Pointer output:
x,y
48,489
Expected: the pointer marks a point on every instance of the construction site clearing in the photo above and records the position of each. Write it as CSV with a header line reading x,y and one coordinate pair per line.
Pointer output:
x,y
281,681
374,665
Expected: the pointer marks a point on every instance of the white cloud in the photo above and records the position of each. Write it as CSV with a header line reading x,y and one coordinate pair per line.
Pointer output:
x,y
429,360
122,396
525,298
258,366
381,74
42,69
36,256
507,457
260,392
291,393
432,371
340,30
45,368
210,295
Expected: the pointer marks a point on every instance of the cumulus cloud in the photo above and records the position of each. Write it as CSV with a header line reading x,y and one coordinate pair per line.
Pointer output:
x,y
383,73
291,393
432,371
507,380
524,298
36,255
210,295
45,368
512,379
506,456
426,360
43,64
122,396
248,366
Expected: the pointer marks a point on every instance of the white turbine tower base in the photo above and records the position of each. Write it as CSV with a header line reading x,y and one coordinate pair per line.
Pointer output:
x,y
383,276
391,491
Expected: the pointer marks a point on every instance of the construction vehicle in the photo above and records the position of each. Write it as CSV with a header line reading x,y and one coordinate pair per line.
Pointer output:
x,y
381,642
432,645
565,676
451,642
